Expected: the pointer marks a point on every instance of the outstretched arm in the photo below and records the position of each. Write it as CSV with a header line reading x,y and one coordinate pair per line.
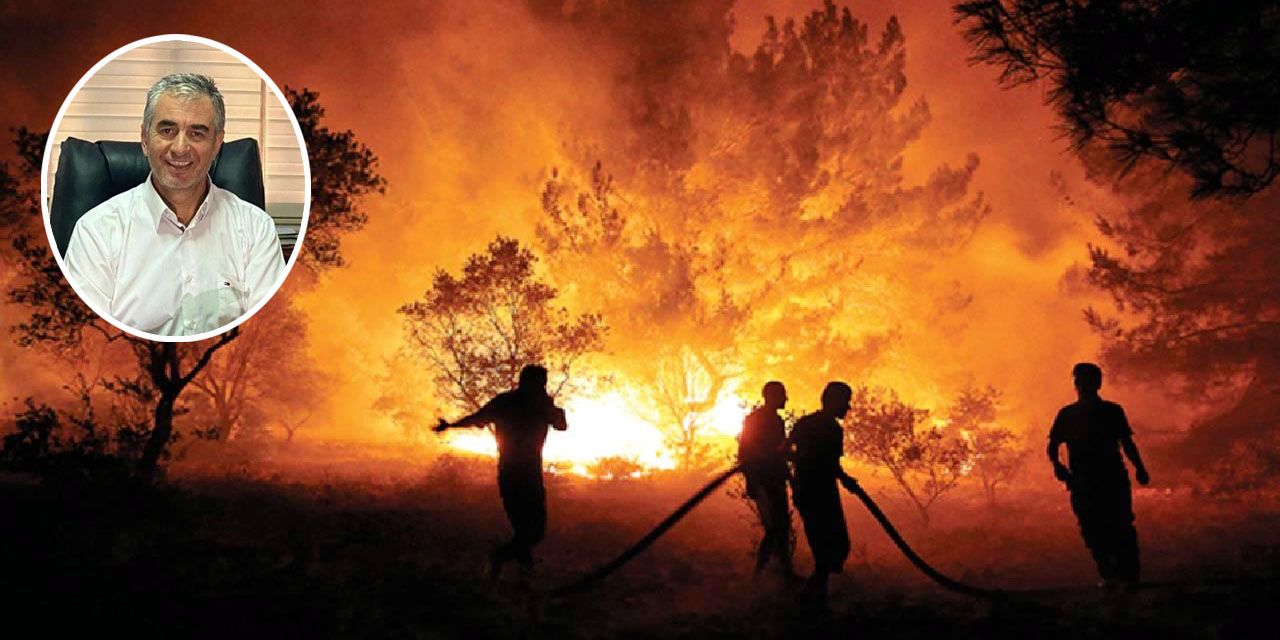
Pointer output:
x,y
1131,450
477,419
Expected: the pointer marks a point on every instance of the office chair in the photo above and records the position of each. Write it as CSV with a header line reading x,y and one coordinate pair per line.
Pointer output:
x,y
89,173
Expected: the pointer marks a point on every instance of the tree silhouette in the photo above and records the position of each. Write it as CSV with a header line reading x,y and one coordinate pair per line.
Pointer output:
x,y
343,172
477,331
1190,84
924,461
1195,287
1165,98
45,438
58,321
268,365
266,370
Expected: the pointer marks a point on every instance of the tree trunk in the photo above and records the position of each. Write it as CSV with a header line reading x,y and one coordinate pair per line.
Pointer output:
x,y
222,431
924,513
164,364
160,434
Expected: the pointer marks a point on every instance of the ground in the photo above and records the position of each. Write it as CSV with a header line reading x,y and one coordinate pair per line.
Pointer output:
x,y
359,546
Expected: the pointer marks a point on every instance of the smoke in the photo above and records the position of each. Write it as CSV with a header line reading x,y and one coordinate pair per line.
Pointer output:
x,y
470,105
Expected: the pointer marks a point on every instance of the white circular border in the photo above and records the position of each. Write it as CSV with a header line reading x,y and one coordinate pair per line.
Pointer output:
x,y
306,174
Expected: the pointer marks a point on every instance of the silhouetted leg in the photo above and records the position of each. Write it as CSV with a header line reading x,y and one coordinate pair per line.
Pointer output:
x,y
522,499
840,545
827,534
525,503
762,552
781,518
766,540
1126,536
497,559
1085,505
534,525
815,587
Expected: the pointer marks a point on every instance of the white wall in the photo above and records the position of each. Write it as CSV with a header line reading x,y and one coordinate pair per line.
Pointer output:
x,y
110,105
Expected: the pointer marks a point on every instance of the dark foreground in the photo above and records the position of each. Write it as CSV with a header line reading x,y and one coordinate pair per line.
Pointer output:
x,y
241,556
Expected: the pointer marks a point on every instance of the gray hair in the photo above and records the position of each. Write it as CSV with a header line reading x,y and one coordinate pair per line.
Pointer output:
x,y
186,86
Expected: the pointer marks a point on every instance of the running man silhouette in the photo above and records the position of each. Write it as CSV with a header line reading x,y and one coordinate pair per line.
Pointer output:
x,y
520,418
1095,431
818,441
761,452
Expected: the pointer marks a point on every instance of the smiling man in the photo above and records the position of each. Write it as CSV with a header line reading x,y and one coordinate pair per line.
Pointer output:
x,y
176,255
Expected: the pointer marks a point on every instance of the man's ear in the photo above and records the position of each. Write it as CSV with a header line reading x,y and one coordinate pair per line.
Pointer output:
x,y
143,129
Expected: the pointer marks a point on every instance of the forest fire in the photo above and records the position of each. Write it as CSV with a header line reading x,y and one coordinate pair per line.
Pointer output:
x,y
606,428
667,205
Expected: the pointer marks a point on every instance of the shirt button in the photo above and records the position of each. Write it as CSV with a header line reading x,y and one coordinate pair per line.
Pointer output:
x,y
191,279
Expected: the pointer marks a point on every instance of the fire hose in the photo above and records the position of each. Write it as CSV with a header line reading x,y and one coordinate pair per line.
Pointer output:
x,y
603,571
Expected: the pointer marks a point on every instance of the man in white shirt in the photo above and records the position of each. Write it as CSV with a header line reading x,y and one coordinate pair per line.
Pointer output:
x,y
176,255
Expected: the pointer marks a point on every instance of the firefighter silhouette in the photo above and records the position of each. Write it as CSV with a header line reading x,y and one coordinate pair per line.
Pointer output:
x,y
520,418
1095,432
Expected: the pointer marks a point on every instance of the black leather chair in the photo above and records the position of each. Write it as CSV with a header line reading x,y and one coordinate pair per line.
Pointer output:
x,y
89,173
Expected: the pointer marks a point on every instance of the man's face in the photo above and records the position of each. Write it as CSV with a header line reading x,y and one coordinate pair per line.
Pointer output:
x,y
841,408
775,397
181,144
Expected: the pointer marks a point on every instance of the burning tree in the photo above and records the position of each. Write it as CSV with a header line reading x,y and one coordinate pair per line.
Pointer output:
x,y
264,373
476,332
685,386
925,461
997,452
754,215
401,383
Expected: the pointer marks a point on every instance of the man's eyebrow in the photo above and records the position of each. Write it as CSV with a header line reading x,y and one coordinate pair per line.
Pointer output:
x,y
172,123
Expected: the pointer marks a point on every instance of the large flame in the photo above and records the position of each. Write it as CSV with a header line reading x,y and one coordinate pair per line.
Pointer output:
x,y
606,426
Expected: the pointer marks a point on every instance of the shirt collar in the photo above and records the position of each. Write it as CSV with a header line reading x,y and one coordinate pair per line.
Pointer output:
x,y
157,209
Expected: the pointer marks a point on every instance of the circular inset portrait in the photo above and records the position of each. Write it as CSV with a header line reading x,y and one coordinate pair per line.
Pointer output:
x,y
175,188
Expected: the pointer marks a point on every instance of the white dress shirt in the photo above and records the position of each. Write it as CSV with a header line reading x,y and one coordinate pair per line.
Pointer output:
x,y
131,259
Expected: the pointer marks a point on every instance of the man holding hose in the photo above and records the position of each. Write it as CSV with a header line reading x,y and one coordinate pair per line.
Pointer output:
x,y
818,442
